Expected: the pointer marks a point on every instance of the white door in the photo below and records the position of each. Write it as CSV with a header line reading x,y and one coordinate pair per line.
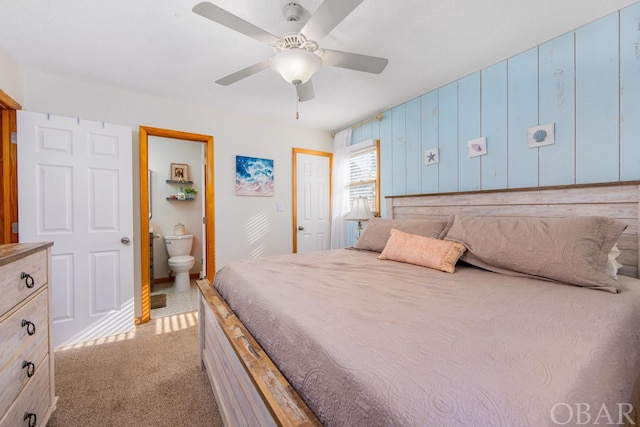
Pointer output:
x,y
313,202
75,189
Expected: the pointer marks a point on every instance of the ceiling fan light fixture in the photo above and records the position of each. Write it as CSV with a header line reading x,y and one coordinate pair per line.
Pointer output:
x,y
296,65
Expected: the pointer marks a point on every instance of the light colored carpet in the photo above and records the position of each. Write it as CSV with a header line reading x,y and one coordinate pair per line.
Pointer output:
x,y
148,377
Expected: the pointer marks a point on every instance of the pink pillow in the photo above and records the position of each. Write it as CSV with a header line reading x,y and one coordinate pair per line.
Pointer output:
x,y
424,251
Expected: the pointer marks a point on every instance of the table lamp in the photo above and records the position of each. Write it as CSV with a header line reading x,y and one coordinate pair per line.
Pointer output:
x,y
359,212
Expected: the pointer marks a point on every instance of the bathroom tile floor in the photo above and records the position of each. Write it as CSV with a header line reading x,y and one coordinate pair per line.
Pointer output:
x,y
177,302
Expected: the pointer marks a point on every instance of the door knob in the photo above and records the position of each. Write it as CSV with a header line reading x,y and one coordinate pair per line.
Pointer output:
x,y
125,241
300,228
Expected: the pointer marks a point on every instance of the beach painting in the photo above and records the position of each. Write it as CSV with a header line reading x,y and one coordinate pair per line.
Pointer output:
x,y
254,177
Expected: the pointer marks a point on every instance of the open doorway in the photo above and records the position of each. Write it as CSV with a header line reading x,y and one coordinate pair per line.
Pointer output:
x,y
208,264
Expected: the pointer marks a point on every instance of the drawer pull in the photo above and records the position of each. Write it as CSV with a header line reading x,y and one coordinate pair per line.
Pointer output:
x,y
31,417
30,368
29,279
31,328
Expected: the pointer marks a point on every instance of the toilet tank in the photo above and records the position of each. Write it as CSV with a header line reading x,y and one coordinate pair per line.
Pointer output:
x,y
178,245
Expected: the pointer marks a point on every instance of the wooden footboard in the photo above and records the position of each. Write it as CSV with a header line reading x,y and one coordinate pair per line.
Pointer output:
x,y
249,388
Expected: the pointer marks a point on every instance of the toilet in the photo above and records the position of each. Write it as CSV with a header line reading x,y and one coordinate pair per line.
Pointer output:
x,y
180,260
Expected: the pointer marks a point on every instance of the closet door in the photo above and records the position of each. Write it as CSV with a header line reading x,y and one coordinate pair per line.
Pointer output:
x,y
313,196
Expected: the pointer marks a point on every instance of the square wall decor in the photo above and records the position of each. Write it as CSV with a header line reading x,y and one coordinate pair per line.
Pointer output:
x,y
254,177
431,156
477,147
538,136
179,172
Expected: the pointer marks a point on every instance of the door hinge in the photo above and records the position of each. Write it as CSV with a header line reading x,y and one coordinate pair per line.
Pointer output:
x,y
204,219
14,227
204,161
14,137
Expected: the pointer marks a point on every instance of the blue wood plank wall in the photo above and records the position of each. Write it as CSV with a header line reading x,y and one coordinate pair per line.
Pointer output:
x,y
586,82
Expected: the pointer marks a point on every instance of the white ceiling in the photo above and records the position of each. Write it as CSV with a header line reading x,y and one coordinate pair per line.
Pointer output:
x,y
161,47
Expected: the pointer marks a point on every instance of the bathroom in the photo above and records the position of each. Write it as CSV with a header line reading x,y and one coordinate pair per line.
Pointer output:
x,y
173,164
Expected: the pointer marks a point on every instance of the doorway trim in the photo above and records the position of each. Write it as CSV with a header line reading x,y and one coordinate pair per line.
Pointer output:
x,y
8,168
145,133
294,185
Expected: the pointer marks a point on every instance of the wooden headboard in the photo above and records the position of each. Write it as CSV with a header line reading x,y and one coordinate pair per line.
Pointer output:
x,y
617,200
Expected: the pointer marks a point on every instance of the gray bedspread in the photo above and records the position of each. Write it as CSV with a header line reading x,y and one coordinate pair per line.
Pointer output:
x,y
367,342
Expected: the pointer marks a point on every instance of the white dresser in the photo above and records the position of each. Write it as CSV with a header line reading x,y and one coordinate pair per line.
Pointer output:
x,y
27,389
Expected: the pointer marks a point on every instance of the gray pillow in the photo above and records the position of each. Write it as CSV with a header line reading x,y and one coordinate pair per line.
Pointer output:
x,y
378,230
570,250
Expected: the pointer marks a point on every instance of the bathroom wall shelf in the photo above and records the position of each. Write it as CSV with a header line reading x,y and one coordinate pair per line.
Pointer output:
x,y
187,199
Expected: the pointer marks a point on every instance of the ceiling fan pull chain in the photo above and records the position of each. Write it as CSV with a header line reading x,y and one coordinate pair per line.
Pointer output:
x,y
297,103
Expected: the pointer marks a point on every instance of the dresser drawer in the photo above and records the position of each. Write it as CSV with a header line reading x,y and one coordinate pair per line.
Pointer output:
x,y
15,374
15,329
34,399
14,286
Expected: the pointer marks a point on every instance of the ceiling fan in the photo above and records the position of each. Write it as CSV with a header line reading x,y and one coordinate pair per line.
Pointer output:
x,y
297,56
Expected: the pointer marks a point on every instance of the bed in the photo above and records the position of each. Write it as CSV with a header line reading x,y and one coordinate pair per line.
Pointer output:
x,y
345,338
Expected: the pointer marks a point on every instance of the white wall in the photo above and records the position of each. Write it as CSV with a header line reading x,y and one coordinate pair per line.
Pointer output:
x,y
167,213
11,77
234,134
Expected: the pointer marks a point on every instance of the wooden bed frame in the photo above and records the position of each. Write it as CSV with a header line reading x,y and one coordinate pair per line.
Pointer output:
x,y
248,387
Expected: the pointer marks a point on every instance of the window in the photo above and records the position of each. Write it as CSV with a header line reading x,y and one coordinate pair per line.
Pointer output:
x,y
362,174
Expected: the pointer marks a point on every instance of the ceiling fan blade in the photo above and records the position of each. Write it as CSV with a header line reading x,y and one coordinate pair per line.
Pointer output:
x,y
245,72
354,61
229,20
327,16
305,91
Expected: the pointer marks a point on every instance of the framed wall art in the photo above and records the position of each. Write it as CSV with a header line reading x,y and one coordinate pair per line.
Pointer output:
x,y
431,156
477,147
539,136
179,172
254,177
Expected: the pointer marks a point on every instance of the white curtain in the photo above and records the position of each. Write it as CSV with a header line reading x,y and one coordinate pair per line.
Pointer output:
x,y
338,227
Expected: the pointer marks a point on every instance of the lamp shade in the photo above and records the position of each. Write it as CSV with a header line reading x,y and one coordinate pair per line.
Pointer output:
x,y
295,65
360,210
